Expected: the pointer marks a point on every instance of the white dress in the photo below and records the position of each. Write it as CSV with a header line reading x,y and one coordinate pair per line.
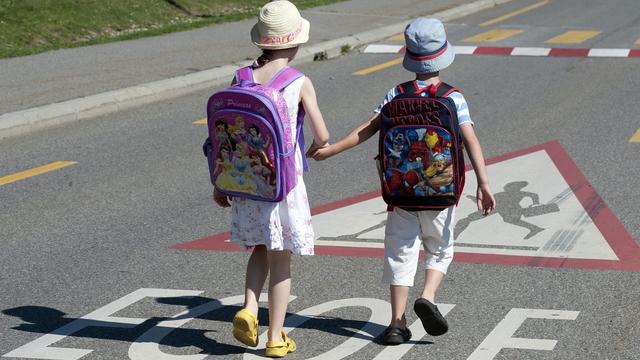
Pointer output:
x,y
279,226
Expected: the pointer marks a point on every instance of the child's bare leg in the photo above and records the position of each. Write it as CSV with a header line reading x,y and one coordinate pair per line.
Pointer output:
x,y
257,270
432,280
399,295
279,290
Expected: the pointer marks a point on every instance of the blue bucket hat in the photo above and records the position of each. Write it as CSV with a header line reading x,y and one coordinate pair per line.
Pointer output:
x,y
427,48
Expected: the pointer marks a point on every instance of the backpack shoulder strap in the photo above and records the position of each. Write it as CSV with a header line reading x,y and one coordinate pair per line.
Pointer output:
x,y
408,87
284,77
443,90
244,74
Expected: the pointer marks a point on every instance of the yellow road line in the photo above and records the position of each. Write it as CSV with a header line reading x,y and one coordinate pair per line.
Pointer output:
x,y
382,66
35,171
573,37
399,37
636,137
494,35
201,122
515,13
637,42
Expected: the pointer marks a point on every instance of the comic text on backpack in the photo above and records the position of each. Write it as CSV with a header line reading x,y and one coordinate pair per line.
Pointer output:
x,y
421,158
252,143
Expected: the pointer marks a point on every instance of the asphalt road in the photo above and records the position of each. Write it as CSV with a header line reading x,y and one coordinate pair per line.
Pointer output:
x,y
79,238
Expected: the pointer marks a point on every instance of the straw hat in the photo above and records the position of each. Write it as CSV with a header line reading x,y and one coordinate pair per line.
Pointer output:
x,y
427,48
280,26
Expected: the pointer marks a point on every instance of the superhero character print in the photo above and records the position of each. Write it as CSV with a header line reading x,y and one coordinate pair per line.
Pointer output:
x,y
418,161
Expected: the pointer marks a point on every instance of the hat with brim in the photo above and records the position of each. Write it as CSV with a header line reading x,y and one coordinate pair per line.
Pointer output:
x,y
280,26
427,49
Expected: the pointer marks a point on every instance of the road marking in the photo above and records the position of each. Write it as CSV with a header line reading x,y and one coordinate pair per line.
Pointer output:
x,y
518,51
636,137
609,53
573,37
464,50
379,67
502,335
35,171
41,348
515,13
383,49
201,122
494,35
400,37
555,220
637,42
148,345
530,51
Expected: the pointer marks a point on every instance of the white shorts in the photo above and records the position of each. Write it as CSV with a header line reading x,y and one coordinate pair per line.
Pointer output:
x,y
403,233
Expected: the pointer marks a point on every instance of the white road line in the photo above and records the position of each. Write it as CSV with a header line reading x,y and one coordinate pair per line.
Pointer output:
x,y
464,50
530,51
382,49
609,52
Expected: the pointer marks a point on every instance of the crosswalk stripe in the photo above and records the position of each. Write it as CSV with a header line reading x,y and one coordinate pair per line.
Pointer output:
x,y
573,37
464,50
636,137
609,52
530,51
382,49
35,171
200,122
494,35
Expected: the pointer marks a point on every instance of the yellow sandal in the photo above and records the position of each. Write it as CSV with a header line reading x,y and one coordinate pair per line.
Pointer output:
x,y
245,327
278,349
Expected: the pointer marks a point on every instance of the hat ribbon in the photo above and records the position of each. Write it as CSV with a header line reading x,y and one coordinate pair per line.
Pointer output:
x,y
432,55
281,39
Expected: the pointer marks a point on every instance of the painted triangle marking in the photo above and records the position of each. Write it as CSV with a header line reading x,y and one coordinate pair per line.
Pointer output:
x,y
547,215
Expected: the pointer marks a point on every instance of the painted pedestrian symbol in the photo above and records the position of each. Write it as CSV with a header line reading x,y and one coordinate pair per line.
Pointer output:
x,y
510,209
549,216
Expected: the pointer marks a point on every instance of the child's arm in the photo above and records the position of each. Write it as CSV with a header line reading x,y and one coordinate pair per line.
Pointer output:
x,y
357,136
485,199
316,122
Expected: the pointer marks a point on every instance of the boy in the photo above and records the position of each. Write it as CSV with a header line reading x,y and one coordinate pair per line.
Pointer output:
x,y
427,53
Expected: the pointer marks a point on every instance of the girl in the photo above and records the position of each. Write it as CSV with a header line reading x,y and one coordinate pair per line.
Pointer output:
x,y
276,230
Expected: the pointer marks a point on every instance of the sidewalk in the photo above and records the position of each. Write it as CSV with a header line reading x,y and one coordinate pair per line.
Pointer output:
x,y
186,59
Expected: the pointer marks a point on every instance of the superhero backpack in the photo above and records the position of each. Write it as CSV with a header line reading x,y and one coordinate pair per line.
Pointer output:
x,y
251,145
421,158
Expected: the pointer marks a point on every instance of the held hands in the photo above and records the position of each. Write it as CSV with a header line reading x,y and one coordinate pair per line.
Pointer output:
x,y
221,199
319,152
485,199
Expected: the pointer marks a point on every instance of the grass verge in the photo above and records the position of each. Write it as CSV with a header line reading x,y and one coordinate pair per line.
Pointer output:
x,y
33,26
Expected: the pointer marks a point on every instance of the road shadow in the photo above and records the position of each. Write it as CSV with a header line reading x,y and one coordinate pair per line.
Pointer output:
x,y
46,320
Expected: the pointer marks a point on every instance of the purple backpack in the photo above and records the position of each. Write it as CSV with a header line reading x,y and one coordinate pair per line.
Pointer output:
x,y
251,146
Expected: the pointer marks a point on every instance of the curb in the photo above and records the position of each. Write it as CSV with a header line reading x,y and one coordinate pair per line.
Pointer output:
x,y
23,121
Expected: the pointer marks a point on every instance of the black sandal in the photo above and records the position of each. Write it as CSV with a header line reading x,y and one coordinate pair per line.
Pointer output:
x,y
394,335
432,320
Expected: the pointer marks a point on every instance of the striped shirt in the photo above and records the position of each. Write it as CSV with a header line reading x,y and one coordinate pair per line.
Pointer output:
x,y
461,104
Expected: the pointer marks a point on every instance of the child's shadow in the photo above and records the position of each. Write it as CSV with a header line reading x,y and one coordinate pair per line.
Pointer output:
x,y
44,320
